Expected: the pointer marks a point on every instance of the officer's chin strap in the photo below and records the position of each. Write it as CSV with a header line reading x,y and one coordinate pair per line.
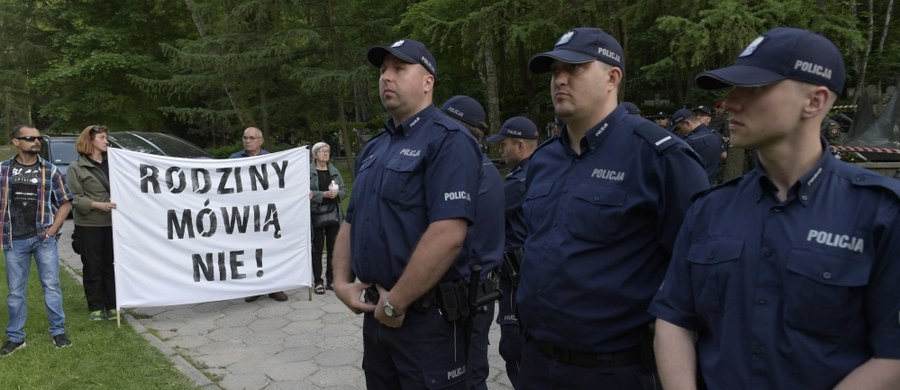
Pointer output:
x,y
476,306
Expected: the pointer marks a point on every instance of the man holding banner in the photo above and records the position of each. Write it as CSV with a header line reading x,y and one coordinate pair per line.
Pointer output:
x,y
404,236
253,142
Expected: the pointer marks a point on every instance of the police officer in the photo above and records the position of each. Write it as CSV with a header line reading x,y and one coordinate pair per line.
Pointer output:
x,y
487,245
404,237
662,119
703,114
702,139
788,275
603,204
518,137
631,108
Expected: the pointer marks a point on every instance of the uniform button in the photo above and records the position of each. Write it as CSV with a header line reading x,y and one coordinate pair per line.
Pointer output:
x,y
860,178
804,197
761,301
711,255
826,275
767,253
596,199
777,209
758,350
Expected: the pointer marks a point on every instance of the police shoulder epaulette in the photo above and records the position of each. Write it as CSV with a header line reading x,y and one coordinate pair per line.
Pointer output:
x,y
727,184
447,123
872,179
546,142
660,138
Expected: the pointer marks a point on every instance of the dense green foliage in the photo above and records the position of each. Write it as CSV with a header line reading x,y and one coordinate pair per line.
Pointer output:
x,y
205,69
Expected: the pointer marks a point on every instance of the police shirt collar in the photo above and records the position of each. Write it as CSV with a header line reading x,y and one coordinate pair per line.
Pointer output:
x,y
594,134
408,126
520,166
808,184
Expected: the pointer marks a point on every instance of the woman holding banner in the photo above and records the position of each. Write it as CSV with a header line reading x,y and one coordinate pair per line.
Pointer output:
x,y
327,189
88,178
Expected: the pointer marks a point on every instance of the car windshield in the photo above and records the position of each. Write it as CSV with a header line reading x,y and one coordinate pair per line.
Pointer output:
x,y
63,151
155,143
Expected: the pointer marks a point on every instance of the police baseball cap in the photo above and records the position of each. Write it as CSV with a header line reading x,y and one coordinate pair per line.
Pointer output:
x,y
631,108
465,109
703,109
515,127
579,46
779,54
681,115
407,50
661,115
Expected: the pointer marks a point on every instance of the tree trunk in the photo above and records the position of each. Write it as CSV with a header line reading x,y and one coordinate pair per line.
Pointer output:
x,y
864,61
887,23
491,88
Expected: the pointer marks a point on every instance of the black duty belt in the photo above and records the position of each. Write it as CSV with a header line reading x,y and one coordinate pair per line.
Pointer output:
x,y
627,357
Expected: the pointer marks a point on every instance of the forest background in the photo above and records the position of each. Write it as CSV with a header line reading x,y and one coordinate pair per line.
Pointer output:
x,y
206,69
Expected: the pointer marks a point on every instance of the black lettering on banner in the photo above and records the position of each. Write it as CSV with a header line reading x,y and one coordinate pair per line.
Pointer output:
x,y
223,181
206,222
196,175
170,180
149,177
235,264
204,269
236,218
202,181
280,171
180,228
208,214
259,176
272,220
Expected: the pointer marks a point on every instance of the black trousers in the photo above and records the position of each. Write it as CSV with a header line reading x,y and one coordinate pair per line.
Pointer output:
x,y
97,261
323,237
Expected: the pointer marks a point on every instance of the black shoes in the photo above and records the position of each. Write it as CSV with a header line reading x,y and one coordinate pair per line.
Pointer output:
x,y
61,341
279,296
11,346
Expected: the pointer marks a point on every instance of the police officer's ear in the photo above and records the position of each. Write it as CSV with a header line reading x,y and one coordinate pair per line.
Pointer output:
x,y
428,84
614,75
818,100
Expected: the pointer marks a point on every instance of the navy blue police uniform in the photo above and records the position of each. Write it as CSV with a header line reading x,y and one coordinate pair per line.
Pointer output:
x,y
796,292
601,226
487,245
708,144
422,170
510,335
487,250
521,128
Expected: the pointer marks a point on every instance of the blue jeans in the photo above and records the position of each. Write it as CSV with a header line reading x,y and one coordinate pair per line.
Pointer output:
x,y
18,265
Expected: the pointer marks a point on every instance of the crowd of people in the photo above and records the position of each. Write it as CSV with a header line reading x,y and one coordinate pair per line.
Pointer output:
x,y
619,260
625,262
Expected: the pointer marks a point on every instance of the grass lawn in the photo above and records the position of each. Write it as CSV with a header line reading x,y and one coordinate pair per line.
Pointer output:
x,y
102,356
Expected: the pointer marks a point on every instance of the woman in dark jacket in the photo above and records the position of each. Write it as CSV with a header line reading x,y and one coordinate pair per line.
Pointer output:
x,y
322,175
88,178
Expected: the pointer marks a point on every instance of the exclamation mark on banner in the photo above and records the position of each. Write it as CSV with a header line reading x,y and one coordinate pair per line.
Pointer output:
x,y
259,273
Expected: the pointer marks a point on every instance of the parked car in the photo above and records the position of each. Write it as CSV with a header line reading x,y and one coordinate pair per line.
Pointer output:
x,y
60,149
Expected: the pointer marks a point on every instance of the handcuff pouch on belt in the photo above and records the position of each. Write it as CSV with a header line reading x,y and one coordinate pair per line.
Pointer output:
x,y
512,262
453,300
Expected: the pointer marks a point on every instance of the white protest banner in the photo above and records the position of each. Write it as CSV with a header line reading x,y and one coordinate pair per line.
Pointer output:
x,y
192,230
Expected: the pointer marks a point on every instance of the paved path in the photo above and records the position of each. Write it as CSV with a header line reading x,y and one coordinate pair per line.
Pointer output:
x,y
298,344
